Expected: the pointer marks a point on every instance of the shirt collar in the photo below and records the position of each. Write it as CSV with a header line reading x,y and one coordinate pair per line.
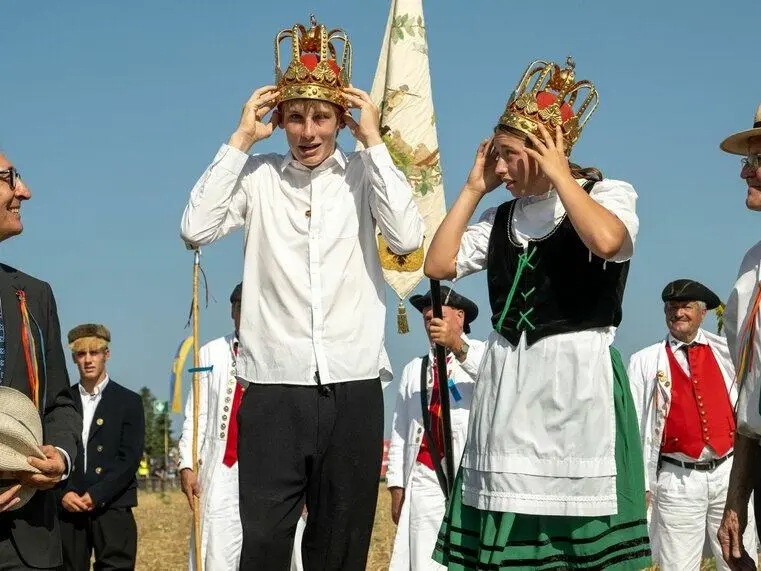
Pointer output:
x,y
96,391
700,339
337,158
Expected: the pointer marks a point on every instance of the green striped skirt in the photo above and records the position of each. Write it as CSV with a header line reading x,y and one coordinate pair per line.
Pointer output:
x,y
475,540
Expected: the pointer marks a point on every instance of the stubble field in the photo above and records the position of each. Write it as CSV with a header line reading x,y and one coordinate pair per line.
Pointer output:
x,y
164,521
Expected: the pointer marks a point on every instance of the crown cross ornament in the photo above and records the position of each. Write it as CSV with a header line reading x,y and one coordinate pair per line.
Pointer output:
x,y
551,100
314,71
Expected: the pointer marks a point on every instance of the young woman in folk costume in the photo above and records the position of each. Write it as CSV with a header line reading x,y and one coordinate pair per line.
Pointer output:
x,y
552,474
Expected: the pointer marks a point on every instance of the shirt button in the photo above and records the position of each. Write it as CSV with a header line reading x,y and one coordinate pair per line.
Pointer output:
x,y
229,391
221,434
98,470
224,426
226,408
224,417
227,400
100,448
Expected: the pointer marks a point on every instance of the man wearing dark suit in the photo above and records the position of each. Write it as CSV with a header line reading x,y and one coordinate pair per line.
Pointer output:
x,y
98,499
31,335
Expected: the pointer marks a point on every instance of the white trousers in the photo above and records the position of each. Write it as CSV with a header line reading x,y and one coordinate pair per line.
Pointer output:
x,y
296,561
687,510
427,507
221,526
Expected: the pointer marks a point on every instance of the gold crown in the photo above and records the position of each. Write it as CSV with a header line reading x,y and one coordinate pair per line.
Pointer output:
x,y
550,102
313,72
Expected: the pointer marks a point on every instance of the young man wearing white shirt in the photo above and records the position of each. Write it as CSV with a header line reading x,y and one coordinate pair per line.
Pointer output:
x,y
684,394
742,319
417,502
98,497
313,308
216,483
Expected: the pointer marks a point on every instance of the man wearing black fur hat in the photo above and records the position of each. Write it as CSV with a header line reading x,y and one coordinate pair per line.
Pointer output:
x,y
684,392
417,500
98,497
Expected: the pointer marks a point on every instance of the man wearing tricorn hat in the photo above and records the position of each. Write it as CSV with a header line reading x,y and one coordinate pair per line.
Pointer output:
x,y
684,393
313,309
98,498
742,320
417,502
32,362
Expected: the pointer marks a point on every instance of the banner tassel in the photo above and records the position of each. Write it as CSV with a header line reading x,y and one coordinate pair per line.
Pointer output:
x,y
401,319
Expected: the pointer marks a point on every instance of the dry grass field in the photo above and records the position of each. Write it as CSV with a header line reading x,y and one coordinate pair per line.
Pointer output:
x,y
164,529
163,526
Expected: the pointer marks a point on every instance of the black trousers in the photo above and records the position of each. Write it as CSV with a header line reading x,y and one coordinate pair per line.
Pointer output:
x,y
319,445
111,534
10,560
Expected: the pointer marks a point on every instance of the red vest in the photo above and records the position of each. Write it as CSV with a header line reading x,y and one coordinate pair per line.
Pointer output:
x,y
701,413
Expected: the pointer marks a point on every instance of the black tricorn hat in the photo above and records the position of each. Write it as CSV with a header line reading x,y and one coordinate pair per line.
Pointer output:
x,y
690,290
451,298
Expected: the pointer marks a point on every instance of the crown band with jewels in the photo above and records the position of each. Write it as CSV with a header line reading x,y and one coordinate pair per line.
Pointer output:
x,y
550,102
313,72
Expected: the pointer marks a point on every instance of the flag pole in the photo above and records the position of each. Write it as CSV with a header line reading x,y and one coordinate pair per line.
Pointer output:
x,y
196,408
441,368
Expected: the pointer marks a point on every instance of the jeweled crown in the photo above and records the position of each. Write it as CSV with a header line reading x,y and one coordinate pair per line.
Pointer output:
x,y
314,71
551,101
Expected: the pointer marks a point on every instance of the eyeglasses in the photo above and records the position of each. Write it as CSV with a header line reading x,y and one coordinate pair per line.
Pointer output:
x,y
753,161
10,175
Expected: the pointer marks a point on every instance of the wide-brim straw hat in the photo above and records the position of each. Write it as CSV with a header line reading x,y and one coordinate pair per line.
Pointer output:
x,y
738,143
20,438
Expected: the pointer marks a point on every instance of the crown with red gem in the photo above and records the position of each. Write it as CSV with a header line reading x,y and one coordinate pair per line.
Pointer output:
x,y
553,99
314,71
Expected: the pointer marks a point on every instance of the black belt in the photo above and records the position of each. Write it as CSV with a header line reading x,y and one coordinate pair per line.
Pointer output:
x,y
701,466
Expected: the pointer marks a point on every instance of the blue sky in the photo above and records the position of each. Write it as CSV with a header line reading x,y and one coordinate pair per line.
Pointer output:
x,y
112,110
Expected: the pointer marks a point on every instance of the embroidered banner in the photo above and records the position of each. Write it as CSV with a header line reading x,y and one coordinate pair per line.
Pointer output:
x,y
402,90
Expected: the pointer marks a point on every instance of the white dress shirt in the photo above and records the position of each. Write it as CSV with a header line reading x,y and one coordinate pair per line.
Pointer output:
x,y
541,438
679,349
90,402
736,320
313,288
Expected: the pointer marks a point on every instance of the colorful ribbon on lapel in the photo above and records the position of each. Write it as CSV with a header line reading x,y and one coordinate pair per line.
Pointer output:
x,y
30,349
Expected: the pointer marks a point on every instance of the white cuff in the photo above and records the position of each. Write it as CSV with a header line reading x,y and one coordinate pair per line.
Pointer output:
x,y
68,463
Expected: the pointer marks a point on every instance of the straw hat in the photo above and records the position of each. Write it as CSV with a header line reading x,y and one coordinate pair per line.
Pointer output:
x,y
20,438
737,144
